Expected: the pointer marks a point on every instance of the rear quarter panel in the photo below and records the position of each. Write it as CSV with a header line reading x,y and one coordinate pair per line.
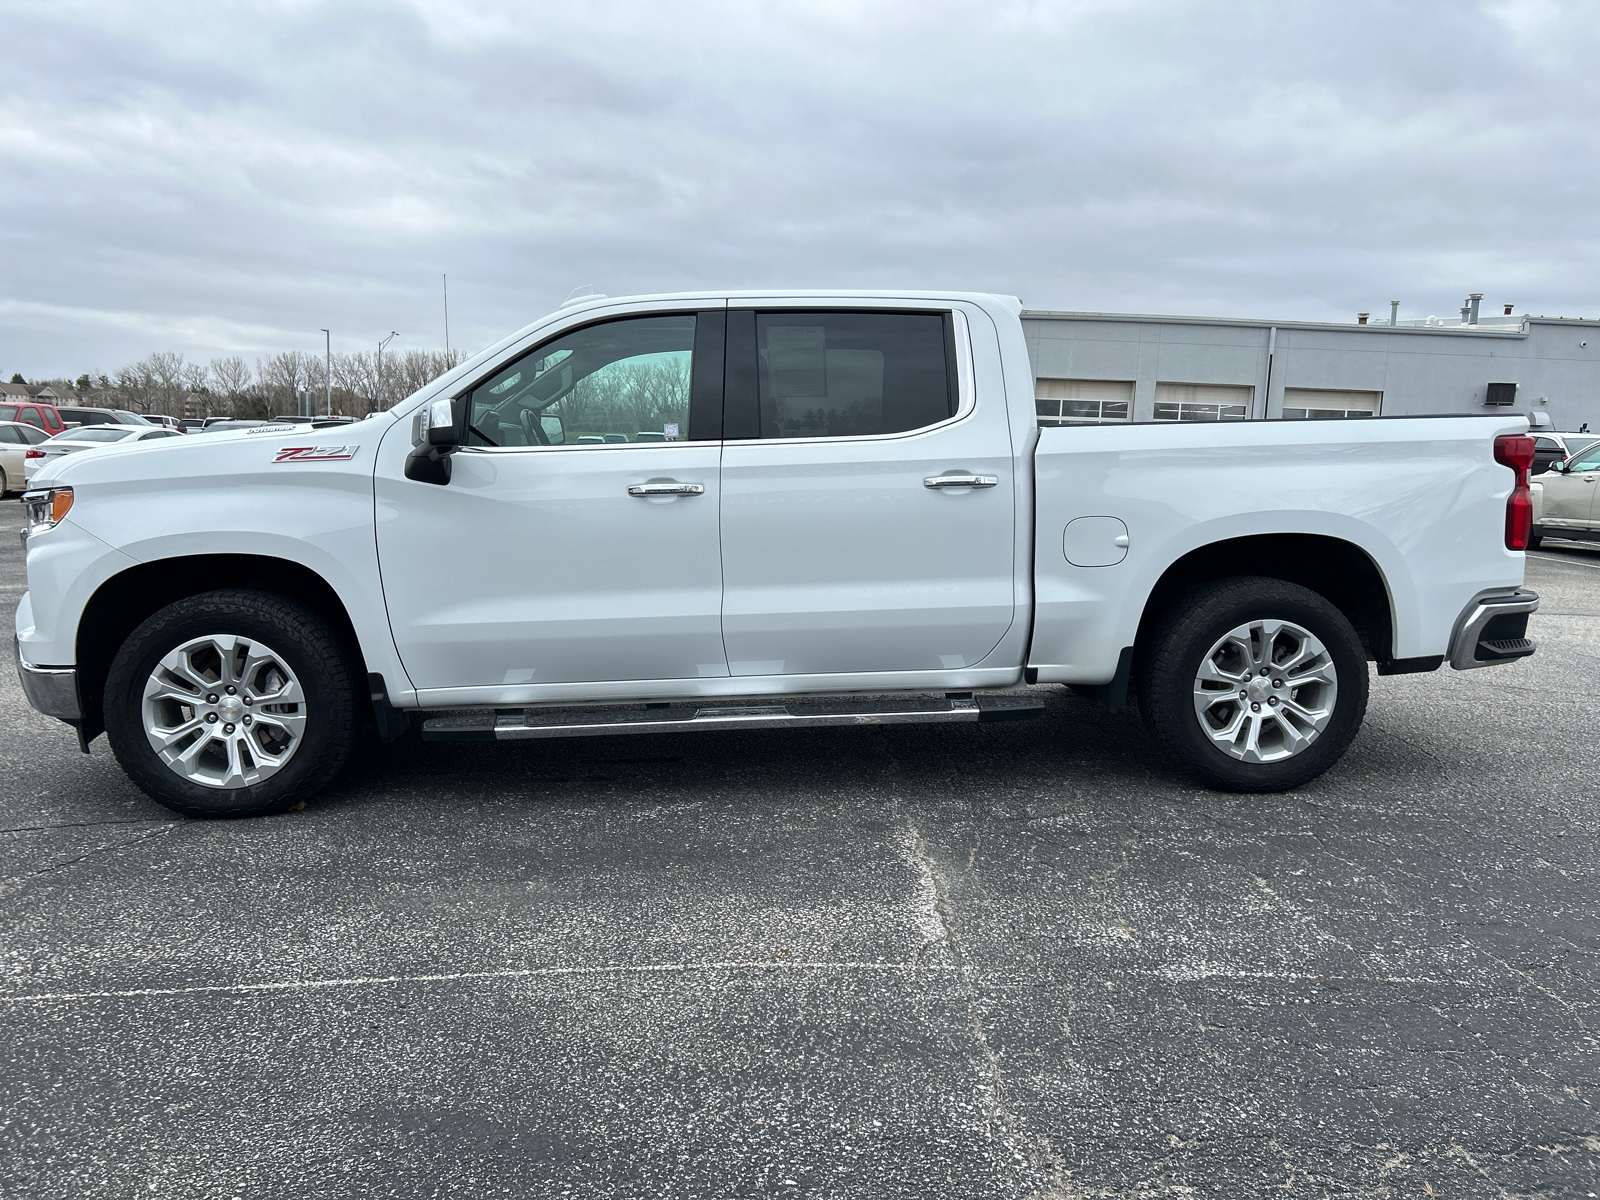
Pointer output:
x,y
1423,497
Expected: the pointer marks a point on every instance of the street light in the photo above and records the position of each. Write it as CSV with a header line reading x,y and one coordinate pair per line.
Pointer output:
x,y
381,345
328,377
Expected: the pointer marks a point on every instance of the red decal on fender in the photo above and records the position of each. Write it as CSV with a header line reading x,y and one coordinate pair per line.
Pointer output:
x,y
315,453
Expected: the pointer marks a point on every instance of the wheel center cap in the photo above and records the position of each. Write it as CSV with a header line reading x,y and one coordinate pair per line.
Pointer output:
x,y
231,708
1260,687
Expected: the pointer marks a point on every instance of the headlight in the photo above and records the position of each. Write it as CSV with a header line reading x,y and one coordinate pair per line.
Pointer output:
x,y
45,507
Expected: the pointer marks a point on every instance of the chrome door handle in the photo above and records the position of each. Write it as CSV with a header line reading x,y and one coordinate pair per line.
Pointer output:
x,y
966,481
666,489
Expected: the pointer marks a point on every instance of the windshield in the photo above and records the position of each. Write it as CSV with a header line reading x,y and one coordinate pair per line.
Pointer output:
x,y
131,418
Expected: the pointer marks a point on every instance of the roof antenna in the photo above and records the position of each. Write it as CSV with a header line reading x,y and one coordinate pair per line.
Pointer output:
x,y
579,294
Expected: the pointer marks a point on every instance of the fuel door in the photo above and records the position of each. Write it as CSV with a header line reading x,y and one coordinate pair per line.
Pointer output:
x,y
1095,542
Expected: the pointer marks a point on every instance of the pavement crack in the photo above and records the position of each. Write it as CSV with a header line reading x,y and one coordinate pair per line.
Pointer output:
x,y
16,883
1001,1122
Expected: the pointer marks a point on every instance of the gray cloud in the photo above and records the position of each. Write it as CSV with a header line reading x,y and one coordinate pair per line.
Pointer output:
x,y
229,178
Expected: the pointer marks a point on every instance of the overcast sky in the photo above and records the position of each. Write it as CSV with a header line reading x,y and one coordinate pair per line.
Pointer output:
x,y
228,178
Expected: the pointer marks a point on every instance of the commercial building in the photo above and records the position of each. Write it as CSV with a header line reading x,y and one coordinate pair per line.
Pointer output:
x,y
1110,367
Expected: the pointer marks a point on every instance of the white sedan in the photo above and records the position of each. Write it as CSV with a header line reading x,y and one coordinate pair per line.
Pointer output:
x,y
15,438
89,437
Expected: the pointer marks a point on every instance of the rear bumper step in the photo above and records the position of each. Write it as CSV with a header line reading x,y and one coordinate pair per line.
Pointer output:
x,y
512,724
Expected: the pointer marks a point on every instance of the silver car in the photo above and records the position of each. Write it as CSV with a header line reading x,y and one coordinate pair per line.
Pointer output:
x,y
89,437
15,439
1565,499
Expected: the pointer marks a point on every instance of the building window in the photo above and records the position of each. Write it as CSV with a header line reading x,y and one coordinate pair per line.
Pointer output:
x,y
1083,401
1326,403
1202,402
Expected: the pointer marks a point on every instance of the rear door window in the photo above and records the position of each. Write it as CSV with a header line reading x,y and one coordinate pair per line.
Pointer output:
x,y
843,374
32,416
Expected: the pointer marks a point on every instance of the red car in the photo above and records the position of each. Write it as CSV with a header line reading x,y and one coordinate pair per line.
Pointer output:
x,y
32,412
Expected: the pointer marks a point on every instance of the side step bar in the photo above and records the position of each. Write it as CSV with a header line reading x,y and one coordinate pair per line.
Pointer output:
x,y
511,724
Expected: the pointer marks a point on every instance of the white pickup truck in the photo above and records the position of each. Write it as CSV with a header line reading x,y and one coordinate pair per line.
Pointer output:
x,y
737,511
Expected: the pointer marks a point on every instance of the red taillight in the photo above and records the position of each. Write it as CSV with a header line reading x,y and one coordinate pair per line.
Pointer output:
x,y
1515,450
34,454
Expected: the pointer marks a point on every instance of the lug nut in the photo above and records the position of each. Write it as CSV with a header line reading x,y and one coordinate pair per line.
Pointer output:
x,y
1243,693
231,690
227,729
211,718
212,698
1264,671
1272,700
247,718
248,701
1255,708
1277,683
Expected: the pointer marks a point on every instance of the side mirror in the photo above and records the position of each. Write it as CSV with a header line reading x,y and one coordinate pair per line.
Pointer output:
x,y
437,431
554,430
1558,465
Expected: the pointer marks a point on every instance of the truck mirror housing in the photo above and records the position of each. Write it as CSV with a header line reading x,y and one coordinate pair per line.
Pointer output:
x,y
437,431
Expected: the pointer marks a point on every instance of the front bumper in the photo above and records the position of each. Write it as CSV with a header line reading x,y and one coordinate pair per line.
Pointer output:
x,y
51,690
1493,630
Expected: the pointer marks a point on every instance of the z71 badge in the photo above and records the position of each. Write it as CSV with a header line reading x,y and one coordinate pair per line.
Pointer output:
x,y
315,453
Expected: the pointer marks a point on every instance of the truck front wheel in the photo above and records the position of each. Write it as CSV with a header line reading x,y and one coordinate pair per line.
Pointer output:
x,y
1254,684
231,703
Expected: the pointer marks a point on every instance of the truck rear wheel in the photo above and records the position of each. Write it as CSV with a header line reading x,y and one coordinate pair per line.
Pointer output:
x,y
1254,684
231,703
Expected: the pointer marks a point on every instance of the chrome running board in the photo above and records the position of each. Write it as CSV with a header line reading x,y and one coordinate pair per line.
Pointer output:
x,y
511,724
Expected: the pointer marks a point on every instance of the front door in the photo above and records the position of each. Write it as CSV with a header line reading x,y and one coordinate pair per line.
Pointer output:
x,y
577,538
867,509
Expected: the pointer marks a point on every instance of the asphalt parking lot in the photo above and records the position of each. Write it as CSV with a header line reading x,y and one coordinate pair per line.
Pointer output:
x,y
1015,960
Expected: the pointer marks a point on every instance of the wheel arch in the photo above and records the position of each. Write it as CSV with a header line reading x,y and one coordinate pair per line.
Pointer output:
x,y
1339,570
124,601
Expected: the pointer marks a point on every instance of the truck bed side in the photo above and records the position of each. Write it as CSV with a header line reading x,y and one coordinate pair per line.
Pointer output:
x,y
1421,497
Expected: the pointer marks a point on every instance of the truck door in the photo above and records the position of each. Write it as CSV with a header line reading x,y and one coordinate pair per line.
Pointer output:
x,y
867,510
576,540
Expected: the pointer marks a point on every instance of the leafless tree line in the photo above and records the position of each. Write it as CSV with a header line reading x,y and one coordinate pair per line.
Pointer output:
x,y
165,382
629,397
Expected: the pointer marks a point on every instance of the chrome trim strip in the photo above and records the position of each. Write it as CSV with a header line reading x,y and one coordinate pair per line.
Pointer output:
x,y
1470,625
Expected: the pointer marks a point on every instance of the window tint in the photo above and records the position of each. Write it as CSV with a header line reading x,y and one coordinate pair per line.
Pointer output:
x,y
622,381
9,435
840,374
29,435
8,412
30,416
1585,461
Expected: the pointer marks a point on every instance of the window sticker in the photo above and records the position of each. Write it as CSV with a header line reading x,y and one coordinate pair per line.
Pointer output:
x,y
670,428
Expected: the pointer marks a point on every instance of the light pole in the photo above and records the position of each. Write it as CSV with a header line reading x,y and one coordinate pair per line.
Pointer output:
x,y
381,344
327,378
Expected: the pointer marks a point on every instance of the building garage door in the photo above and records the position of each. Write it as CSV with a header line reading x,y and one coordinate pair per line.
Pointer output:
x,y
1325,402
1083,401
1202,402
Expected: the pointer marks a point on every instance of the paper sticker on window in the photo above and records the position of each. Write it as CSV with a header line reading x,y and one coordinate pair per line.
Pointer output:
x,y
797,360
670,428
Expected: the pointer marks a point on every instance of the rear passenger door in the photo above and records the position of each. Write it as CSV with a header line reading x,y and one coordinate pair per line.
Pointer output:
x,y
867,513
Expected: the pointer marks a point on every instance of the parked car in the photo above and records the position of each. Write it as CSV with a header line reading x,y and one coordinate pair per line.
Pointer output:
x,y
15,438
1553,447
1564,499
80,416
191,424
31,412
88,437
863,507
161,419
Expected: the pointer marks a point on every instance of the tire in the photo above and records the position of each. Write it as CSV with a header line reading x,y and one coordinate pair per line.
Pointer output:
x,y
1223,742
283,662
